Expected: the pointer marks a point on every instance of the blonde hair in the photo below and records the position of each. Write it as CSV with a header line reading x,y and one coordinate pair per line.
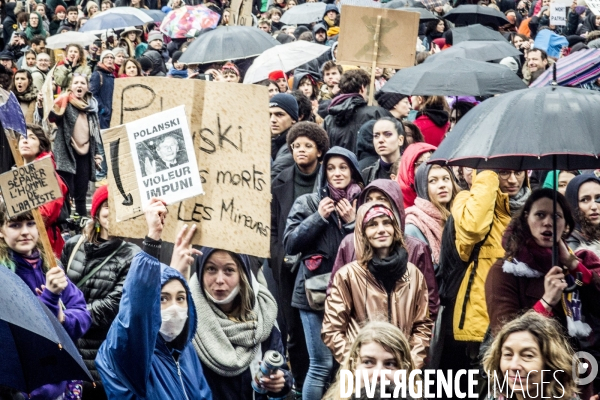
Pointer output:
x,y
243,304
388,336
557,354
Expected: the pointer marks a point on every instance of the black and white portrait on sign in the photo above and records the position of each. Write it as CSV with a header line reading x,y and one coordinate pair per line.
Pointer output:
x,y
164,158
162,152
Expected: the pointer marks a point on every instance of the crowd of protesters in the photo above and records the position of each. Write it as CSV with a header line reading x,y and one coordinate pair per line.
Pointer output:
x,y
379,260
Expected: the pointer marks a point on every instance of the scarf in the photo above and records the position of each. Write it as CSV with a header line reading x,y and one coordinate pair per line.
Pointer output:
x,y
225,346
390,269
516,202
330,22
533,261
30,32
105,68
28,95
428,219
349,193
87,105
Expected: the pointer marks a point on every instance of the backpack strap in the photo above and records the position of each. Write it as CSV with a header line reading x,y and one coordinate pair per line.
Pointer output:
x,y
97,268
75,250
475,259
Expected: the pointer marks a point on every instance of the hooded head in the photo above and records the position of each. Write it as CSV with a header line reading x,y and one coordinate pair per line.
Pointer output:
x,y
338,151
317,28
392,191
226,280
366,213
168,276
572,194
406,170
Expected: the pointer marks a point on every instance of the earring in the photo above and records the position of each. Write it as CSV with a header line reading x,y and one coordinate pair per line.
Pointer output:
x,y
97,226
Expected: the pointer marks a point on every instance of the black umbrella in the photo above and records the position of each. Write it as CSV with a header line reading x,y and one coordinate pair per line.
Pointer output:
x,y
403,4
475,33
34,347
478,50
156,15
424,14
551,128
454,77
227,43
470,14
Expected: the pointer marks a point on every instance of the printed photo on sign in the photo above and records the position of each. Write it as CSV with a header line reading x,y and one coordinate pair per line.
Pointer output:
x,y
164,152
164,159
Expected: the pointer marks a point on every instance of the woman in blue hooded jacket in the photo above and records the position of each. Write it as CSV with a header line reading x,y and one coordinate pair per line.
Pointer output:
x,y
237,328
316,225
147,353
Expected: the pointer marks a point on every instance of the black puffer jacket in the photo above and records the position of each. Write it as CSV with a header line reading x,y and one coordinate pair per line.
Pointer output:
x,y
102,291
347,113
158,63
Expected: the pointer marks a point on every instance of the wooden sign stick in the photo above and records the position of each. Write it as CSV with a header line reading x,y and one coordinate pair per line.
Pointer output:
x,y
39,221
375,50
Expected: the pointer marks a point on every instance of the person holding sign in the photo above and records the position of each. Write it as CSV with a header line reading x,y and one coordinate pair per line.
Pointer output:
x,y
316,225
147,353
75,113
35,147
98,264
22,253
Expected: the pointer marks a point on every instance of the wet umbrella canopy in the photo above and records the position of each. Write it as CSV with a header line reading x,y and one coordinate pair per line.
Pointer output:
x,y
35,348
475,33
474,14
454,77
306,13
477,50
227,43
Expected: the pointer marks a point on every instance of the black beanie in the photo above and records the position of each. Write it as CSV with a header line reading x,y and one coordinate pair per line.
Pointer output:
x,y
145,63
287,103
388,100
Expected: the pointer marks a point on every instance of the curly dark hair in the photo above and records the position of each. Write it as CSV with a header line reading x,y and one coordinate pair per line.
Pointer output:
x,y
313,132
520,234
353,81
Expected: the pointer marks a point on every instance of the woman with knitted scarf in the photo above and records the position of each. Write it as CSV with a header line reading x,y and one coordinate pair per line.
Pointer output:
x,y
526,279
236,328
425,220
75,113
22,253
380,285
26,93
35,26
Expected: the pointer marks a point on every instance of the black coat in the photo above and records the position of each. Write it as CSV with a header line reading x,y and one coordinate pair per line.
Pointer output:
x,y
159,67
102,291
346,117
308,233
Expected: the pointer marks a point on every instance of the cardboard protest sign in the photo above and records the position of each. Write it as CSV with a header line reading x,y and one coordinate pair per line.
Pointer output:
x,y
29,187
558,14
397,37
229,124
241,13
594,6
164,158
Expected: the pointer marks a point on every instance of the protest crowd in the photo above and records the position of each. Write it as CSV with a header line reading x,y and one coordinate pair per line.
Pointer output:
x,y
380,260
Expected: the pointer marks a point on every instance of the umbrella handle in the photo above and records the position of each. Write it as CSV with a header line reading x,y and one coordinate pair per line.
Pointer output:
x,y
574,286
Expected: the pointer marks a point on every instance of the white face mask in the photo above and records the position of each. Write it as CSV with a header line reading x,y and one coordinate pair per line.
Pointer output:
x,y
173,320
227,299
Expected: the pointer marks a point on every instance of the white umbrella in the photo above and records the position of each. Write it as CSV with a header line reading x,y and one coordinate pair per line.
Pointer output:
x,y
284,57
126,10
304,13
62,40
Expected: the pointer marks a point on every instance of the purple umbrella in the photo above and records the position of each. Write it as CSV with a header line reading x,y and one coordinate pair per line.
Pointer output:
x,y
580,67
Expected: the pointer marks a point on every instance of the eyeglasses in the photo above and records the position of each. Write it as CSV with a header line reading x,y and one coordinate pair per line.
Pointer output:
x,y
307,146
507,174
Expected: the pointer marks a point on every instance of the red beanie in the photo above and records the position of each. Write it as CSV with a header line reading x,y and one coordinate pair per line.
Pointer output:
x,y
60,9
100,196
276,75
